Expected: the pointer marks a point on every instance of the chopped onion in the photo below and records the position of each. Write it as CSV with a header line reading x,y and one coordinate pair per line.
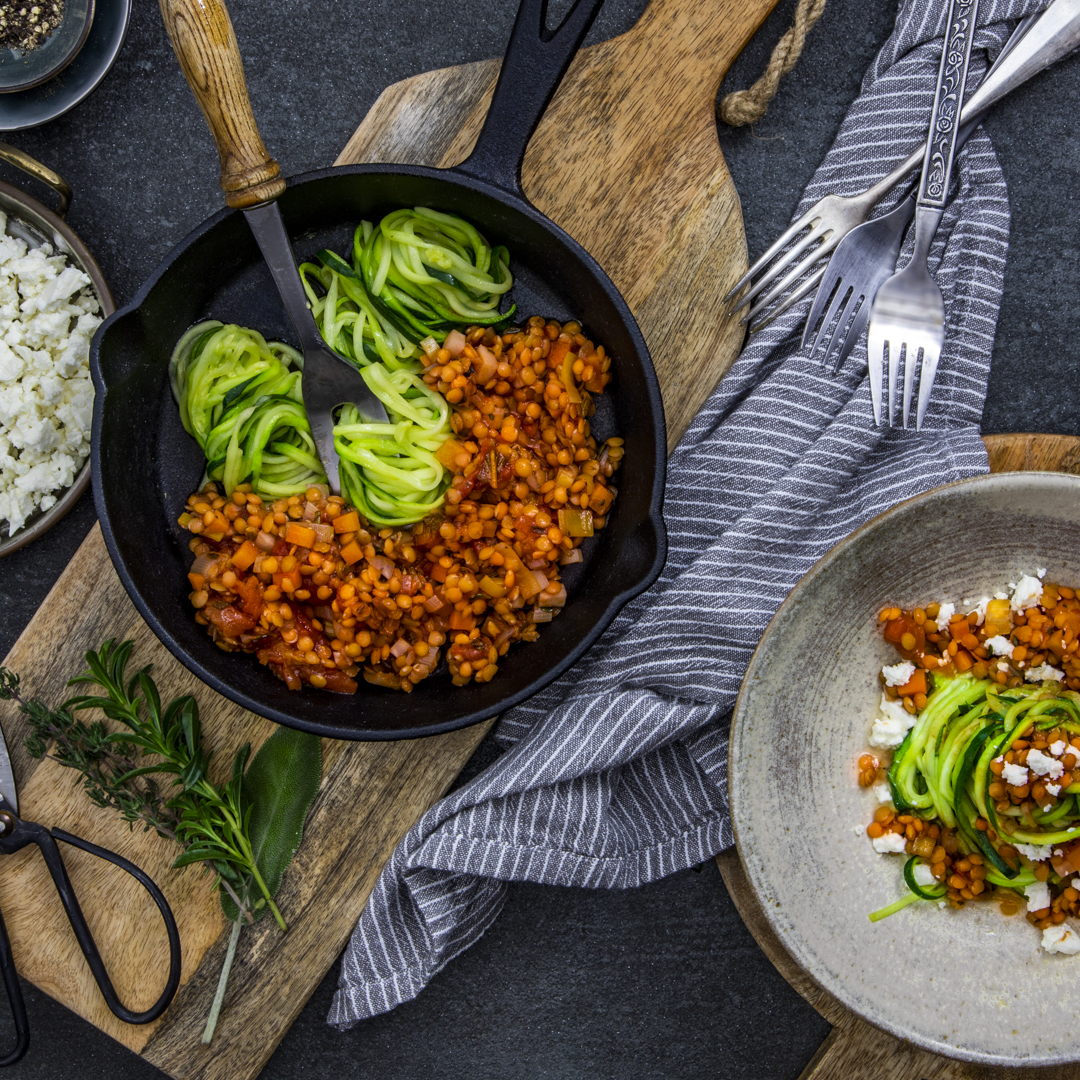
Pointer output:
x,y
311,511
382,678
204,564
454,343
538,564
400,647
324,533
540,615
541,578
430,346
265,541
434,603
527,583
554,599
383,565
324,612
572,556
489,366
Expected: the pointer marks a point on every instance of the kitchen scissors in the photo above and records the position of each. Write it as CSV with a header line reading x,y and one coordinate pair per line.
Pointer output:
x,y
15,834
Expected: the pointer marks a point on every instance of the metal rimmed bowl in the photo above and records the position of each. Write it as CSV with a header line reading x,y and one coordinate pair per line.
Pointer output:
x,y
23,70
37,224
968,984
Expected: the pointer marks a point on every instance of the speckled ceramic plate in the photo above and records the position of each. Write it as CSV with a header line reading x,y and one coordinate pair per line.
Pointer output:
x,y
970,984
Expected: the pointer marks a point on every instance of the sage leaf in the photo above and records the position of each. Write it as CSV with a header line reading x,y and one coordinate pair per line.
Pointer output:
x,y
279,786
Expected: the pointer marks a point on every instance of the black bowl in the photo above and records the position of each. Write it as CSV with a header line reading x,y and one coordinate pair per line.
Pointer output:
x,y
145,465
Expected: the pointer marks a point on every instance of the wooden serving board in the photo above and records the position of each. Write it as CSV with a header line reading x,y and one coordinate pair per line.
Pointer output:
x,y
626,160
855,1049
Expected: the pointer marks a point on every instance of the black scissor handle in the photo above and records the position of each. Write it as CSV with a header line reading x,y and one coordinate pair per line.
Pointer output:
x,y
15,999
51,853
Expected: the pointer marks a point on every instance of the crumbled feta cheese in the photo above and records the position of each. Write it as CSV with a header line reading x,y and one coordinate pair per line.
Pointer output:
x,y
1016,775
945,613
1040,574
1058,748
1038,896
890,843
893,723
898,674
923,875
1053,789
48,313
1043,673
1060,939
882,792
1002,666
1034,852
1027,593
999,646
1044,765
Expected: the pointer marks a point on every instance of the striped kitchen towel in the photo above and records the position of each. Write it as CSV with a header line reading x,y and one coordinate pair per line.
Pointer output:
x,y
617,774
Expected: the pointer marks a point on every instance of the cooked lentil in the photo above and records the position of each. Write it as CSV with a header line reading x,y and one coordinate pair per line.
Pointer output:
x,y
319,595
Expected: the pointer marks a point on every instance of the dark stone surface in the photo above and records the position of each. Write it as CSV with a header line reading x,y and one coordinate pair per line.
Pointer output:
x,y
659,982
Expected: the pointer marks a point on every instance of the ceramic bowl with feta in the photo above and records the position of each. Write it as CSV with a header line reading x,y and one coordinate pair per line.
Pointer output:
x,y
802,800
52,299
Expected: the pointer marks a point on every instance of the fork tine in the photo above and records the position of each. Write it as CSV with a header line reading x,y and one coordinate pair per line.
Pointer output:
x,y
875,354
931,355
894,373
909,376
835,311
788,280
854,332
778,245
821,239
790,300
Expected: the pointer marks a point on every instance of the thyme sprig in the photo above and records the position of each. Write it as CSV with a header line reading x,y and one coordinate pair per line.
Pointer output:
x,y
210,821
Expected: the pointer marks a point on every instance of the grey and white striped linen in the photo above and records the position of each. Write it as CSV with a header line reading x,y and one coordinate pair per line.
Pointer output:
x,y
617,774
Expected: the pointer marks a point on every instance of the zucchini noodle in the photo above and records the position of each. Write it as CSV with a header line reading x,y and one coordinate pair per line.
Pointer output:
x,y
389,472
942,771
412,279
240,397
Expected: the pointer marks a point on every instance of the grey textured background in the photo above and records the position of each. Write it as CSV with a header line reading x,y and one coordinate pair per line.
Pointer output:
x,y
662,982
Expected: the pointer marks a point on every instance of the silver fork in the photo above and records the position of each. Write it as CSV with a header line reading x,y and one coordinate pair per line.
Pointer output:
x,y
866,257
1055,33
908,315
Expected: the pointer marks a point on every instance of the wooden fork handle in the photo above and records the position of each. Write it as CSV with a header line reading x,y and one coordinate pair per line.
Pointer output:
x,y
203,39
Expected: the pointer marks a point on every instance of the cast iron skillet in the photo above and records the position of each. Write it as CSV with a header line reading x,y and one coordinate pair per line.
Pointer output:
x,y
145,465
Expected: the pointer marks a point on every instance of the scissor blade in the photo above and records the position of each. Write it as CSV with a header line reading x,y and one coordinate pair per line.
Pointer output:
x,y
7,776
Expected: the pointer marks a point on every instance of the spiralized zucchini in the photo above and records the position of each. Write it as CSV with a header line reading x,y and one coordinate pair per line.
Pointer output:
x,y
389,472
412,279
240,397
942,771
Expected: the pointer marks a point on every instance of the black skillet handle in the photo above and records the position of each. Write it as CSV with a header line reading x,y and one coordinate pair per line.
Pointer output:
x,y
535,62
44,840
15,998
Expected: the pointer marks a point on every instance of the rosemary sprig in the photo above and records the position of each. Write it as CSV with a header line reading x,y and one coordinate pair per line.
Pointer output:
x,y
209,820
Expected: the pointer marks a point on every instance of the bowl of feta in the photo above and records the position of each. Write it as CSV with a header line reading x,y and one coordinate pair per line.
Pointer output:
x,y
53,297
811,708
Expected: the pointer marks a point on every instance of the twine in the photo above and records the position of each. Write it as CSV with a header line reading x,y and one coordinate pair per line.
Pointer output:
x,y
748,106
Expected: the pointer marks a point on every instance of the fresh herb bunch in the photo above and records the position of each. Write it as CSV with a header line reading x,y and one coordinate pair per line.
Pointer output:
x,y
209,820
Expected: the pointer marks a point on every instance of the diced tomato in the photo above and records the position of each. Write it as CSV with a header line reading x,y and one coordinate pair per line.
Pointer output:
x,y
895,631
231,622
250,591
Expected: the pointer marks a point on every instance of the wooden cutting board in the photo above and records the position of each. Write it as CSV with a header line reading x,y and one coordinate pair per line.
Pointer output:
x,y
854,1049
627,161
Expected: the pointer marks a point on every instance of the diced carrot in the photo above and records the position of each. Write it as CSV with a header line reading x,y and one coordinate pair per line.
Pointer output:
x,y
288,580
437,572
962,660
245,555
915,685
197,581
352,552
301,535
220,524
349,522
461,620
